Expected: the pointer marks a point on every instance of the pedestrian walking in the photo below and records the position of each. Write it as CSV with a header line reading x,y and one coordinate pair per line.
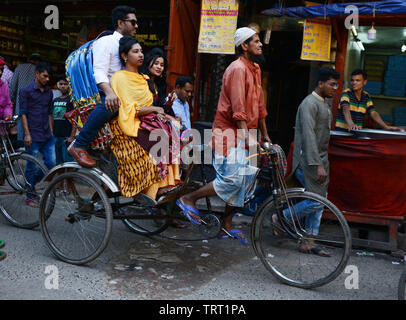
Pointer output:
x,y
36,117
23,75
64,131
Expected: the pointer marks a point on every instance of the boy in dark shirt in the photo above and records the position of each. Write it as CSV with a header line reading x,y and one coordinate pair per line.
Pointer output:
x,y
64,132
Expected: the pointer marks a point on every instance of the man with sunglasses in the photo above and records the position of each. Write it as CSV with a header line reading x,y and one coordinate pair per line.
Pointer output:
x,y
106,62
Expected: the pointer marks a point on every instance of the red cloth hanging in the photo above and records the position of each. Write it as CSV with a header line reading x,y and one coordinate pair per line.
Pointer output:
x,y
367,175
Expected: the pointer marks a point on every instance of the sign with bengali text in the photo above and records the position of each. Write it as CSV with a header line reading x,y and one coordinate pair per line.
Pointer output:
x,y
316,41
217,26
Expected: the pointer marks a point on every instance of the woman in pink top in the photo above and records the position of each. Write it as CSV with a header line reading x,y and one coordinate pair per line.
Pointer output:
x,y
6,107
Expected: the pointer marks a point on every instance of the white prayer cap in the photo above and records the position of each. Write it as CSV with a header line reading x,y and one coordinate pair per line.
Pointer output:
x,y
243,34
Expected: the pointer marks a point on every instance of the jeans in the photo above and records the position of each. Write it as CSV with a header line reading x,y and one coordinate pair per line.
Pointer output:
x,y
311,210
34,174
97,118
61,151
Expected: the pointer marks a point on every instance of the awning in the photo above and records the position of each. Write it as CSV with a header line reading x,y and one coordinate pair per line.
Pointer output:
x,y
338,9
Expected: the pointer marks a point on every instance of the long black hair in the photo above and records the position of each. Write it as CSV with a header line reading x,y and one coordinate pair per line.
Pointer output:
x,y
126,44
160,82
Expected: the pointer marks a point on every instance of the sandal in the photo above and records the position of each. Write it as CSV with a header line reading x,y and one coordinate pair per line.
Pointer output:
x,y
2,244
186,210
237,233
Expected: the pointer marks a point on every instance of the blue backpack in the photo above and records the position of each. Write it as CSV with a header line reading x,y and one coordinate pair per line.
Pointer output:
x,y
84,91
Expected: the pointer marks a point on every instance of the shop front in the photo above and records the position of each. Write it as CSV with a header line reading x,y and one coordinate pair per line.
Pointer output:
x,y
367,167
23,28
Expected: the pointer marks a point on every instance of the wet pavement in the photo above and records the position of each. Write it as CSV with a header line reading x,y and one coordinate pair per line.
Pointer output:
x,y
175,263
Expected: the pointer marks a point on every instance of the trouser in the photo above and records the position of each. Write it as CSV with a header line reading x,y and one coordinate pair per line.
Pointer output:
x,y
61,152
97,118
33,173
311,210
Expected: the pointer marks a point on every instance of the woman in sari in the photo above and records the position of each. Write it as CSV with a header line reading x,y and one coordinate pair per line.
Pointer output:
x,y
138,170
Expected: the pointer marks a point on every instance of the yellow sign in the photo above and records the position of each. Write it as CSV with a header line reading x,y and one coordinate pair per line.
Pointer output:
x,y
316,41
217,26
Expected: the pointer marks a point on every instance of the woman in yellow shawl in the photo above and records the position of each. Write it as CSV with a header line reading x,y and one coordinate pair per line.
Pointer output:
x,y
137,168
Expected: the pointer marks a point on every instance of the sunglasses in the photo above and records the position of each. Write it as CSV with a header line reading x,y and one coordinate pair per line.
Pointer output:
x,y
133,22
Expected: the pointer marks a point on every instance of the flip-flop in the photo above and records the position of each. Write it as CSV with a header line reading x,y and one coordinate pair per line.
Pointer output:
x,y
186,209
318,251
315,250
2,244
236,233
223,236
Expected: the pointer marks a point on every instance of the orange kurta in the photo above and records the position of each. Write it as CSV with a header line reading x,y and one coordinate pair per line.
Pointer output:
x,y
241,98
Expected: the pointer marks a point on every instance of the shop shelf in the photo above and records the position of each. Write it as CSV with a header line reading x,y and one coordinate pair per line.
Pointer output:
x,y
388,97
10,36
11,53
49,44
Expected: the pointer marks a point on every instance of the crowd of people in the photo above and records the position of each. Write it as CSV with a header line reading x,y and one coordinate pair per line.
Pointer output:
x,y
135,96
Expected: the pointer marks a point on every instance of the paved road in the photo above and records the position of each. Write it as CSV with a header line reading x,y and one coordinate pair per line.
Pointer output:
x,y
136,267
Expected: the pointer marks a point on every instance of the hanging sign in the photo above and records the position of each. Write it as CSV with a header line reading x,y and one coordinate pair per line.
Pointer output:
x,y
217,26
316,40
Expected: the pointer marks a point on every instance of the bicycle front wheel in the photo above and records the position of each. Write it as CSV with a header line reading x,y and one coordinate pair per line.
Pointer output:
x,y
282,238
17,190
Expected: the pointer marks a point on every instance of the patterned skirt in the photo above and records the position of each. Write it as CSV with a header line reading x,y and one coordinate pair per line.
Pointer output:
x,y
136,168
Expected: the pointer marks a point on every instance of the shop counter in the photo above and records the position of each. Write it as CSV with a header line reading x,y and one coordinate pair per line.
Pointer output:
x,y
368,172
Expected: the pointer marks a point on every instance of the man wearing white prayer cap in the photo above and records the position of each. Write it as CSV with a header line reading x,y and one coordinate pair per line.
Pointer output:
x,y
241,107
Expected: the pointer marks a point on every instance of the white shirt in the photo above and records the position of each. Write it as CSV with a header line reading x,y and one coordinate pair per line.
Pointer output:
x,y
181,110
106,59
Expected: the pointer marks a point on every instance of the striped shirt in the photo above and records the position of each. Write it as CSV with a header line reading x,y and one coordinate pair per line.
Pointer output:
x,y
358,109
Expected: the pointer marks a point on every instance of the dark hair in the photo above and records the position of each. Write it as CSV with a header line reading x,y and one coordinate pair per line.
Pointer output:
x,y
240,51
120,13
61,77
126,44
360,71
160,82
182,80
327,73
43,66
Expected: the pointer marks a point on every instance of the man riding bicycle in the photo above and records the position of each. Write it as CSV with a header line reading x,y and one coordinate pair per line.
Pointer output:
x,y
240,108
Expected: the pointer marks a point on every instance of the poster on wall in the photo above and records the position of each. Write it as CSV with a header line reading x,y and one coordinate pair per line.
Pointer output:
x,y
316,40
217,26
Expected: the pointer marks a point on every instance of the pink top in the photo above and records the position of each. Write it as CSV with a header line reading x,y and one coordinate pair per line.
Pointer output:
x,y
6,107
241,98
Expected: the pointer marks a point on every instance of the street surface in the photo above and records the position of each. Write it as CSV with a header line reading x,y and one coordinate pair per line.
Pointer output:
x,y
137,267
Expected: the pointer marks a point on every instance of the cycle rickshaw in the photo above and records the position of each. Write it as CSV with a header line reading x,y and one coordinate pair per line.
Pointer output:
x,y
77,222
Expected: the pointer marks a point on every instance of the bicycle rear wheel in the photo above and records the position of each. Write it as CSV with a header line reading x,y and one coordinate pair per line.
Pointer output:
x,y
145,223
76,223
13,194
277,243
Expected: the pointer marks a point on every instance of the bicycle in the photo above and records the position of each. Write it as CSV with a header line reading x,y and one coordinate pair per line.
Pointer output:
x,y
13,168
77,225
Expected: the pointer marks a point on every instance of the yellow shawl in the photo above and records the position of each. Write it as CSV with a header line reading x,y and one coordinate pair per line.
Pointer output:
x,y
133,92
